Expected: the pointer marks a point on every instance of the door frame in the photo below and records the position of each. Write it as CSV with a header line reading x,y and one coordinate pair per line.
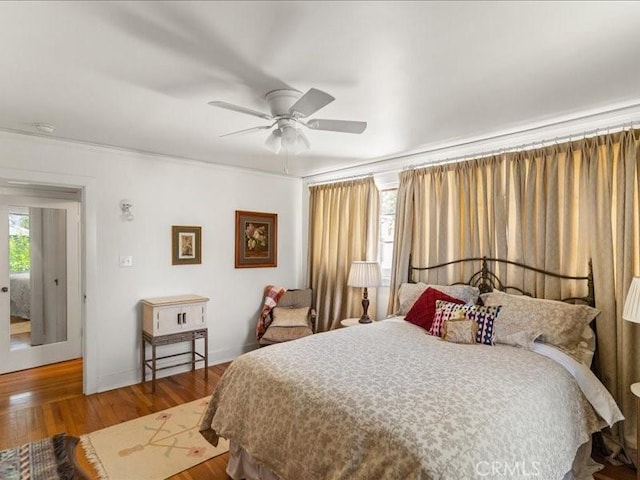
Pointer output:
x,y
71,346
88,258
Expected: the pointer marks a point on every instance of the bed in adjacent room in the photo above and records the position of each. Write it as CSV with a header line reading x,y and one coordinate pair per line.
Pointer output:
x,y
390,401
20,288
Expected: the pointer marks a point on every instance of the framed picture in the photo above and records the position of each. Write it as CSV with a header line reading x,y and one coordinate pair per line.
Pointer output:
x,y
256,239
186,245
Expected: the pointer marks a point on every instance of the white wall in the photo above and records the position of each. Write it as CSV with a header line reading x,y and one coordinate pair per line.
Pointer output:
x,y
164,192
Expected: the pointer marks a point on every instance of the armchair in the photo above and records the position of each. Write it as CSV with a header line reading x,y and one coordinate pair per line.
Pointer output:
x,y
293,317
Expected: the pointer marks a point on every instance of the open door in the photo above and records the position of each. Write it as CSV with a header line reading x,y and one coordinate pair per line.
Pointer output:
x,y
39,282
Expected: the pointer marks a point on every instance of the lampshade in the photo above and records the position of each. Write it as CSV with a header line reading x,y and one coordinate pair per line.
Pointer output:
x,y
631,310
364,274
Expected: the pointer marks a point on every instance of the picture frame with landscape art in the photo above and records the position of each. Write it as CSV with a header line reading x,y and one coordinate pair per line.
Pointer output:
x,y
256,239
186,245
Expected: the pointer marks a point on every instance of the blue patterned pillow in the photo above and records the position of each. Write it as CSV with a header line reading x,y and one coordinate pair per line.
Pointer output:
x,y
484,316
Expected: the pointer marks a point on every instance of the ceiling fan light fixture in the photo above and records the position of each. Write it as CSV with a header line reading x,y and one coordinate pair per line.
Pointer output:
x,y
273,141
289,136
294,141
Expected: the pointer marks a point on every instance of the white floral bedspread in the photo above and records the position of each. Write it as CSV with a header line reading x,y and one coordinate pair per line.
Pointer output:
x,y
386,401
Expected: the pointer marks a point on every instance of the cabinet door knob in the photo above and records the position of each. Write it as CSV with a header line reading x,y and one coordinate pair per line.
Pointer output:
x,y
5,289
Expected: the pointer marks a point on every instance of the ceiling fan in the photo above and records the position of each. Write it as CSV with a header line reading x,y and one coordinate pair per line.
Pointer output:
x,y
288,109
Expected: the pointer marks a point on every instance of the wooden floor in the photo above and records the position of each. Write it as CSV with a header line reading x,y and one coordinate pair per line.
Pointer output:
x,y
613,473
44,401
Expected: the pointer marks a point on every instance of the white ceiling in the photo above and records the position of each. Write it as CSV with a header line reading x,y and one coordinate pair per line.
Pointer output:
x,y
138,75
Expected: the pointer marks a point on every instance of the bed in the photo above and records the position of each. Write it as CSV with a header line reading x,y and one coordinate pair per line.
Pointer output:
x,y
389,401
20,288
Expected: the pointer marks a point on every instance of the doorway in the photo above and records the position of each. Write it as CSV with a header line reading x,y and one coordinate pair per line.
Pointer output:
x,y
40,309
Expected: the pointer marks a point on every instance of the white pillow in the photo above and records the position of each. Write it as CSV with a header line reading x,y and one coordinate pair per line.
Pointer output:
x,y
410,292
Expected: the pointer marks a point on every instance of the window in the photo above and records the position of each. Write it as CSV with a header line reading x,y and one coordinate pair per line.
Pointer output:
x,y
19,255
387,231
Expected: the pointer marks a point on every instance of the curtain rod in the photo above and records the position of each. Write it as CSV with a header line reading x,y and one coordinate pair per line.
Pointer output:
x,y
494,138
541,143
343,179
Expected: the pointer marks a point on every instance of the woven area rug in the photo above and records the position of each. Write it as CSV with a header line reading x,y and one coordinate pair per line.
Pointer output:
x,y
153,447
45,459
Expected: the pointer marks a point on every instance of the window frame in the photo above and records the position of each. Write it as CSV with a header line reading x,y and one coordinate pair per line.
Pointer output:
x,y
386,272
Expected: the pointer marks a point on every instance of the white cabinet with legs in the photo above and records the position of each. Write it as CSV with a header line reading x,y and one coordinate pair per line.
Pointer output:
x,y
169,320
176,314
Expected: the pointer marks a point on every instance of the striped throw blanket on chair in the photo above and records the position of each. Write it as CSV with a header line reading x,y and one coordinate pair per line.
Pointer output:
x,y
271,296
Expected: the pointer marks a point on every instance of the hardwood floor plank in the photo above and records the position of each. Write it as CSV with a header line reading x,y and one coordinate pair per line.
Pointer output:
x,y
41,385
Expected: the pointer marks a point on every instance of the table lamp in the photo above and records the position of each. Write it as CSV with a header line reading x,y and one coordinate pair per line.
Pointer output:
x,y
365,274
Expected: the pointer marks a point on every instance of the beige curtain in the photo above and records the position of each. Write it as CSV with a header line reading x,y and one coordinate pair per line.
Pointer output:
x,y
614,224
547,195
343,227
553,208
446,213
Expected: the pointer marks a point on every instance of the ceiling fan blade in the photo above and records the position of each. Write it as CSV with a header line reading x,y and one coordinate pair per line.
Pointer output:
x,y
305,140
238,108
345,126
310,102
247,130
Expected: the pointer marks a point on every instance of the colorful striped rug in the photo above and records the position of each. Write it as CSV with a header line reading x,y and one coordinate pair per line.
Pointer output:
x,y
45,459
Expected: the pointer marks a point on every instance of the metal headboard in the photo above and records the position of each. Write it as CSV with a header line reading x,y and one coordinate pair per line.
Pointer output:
x,y
486,280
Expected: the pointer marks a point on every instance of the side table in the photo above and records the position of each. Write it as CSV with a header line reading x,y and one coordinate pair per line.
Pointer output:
x,y
159,340
350,322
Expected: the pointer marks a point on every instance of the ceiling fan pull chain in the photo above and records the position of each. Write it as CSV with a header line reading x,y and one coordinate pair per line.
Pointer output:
x,y
286,162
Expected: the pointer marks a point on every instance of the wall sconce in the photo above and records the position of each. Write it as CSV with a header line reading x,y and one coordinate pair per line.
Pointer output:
x,y
125,206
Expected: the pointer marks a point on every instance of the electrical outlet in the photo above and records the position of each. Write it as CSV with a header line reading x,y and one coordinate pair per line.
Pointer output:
x,y
126,261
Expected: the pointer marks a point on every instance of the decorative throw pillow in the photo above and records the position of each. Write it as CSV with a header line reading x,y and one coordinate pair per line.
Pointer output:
x,y
275,334
290,317
424,308
484,316
408,293
555,322
460,329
